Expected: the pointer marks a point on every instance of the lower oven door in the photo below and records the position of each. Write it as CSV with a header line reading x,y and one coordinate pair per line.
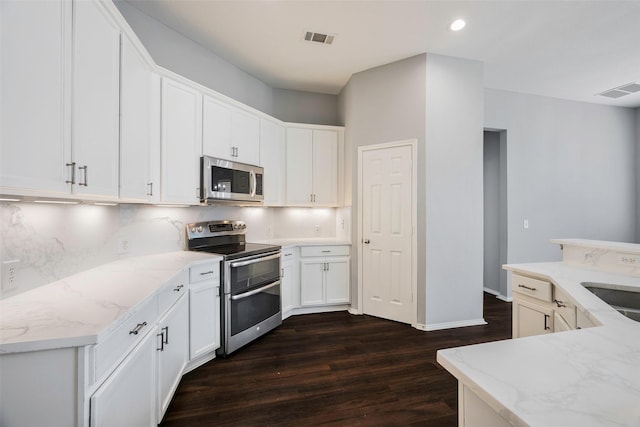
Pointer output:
x,y
251,314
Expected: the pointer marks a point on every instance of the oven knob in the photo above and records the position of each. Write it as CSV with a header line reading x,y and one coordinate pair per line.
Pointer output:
x,y
193,229
200,229
243,226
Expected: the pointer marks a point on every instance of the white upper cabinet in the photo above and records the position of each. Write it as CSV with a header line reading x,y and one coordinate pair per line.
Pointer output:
x,y
273,160
230,133
312,167
181,143
139,116
96,88
35,143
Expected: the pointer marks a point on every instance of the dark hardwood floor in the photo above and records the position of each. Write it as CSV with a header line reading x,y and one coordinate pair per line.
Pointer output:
x,y
334,369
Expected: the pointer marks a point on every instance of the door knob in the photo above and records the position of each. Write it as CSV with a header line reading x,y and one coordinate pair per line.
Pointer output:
x,y
366,241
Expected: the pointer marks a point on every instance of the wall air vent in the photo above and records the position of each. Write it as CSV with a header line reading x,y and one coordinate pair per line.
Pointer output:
x,y
621,91
321,38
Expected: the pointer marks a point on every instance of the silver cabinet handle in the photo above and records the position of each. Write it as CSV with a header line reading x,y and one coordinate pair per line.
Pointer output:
x,y
311,198
178,288
161,336
559,303
150,192
137,329
366,241
526,287
204,273
73,173
165,339
255,291
83,168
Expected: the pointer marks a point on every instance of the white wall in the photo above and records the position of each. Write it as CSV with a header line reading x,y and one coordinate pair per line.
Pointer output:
x,y
453,188
384,104
55,241
571,171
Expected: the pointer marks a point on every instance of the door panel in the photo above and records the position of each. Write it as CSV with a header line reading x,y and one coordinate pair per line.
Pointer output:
x,y
387,226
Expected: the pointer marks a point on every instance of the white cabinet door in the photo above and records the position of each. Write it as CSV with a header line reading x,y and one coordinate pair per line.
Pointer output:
x,y
312,282
245,137
273,160
290,283
216,129
173,350
127,397
95,123
181,143
299,166
35,49
325,168
337,281
204,318
136,110
531,319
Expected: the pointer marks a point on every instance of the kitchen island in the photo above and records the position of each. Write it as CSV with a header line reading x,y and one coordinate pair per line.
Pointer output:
x,y
586,377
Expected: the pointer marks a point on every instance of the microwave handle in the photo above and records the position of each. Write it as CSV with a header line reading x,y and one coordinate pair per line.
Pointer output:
x,y
254,183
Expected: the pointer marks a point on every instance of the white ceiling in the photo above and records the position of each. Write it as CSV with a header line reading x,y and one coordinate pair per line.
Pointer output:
x,y
562,48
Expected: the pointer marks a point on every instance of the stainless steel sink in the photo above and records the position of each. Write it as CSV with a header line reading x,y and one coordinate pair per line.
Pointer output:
x,y
626,302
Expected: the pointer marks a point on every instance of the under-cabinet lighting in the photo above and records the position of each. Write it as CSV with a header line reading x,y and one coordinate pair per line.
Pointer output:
x,y
105,204
4,199
58,202
172,206
457,25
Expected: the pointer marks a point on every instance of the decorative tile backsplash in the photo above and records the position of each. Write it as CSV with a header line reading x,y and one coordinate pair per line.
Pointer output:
x,y
54,241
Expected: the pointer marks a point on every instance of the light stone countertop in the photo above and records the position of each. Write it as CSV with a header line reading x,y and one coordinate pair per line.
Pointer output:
x,y
306,242
78,310
587,377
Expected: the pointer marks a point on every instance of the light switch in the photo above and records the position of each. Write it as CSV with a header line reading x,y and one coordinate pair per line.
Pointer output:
x,y
526,224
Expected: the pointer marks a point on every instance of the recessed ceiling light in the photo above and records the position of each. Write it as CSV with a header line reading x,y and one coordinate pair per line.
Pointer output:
x,y
457,25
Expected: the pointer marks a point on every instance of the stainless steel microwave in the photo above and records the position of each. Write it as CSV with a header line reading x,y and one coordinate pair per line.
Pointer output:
x,y
226,181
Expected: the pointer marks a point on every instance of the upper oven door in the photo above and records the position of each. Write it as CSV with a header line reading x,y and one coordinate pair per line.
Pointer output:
x,y
230,181
247,273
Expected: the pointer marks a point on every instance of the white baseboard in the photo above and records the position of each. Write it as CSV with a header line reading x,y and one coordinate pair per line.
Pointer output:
x,y
355,311
450,325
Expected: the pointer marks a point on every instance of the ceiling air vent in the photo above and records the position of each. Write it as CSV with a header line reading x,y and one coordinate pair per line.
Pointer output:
x,y
311,36
621,91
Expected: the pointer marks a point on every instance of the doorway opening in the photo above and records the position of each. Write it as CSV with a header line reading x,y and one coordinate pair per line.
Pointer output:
x,y
495,213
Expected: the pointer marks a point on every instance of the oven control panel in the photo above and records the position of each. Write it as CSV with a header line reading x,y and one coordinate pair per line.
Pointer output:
x,y
215,228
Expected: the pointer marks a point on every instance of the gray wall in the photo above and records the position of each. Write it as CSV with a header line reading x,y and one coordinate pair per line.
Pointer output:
x,y
181,55
571,171
491,182
439,101
453,187
385,104
637,175
306,107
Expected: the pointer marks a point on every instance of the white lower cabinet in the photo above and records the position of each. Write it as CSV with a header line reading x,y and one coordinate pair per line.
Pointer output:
x,y
204,318
289,281
324,278
172,351
531,319
127,397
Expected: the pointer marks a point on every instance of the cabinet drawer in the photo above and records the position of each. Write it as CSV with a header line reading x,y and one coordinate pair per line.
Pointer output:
x,y
324,250
289,253
118,343
535,288
172,290
564,306
202,272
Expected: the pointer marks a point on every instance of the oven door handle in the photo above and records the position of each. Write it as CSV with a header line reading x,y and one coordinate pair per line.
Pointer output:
x,y
254,260
255,291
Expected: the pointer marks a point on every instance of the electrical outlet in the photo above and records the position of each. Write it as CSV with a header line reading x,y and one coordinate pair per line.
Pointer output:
x,y
10,274
123,246
316,229
627,259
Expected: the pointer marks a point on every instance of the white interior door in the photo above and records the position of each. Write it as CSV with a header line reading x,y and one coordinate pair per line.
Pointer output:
x,y
387,223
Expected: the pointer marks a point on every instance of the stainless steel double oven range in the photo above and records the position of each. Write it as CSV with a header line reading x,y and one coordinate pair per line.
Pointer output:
x,y
250,280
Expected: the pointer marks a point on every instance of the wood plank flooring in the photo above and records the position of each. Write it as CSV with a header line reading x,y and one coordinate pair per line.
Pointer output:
x,y
334,369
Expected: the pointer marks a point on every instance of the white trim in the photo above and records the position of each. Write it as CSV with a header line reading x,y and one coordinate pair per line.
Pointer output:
x,y
355,311
413,143
450,325
503,298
